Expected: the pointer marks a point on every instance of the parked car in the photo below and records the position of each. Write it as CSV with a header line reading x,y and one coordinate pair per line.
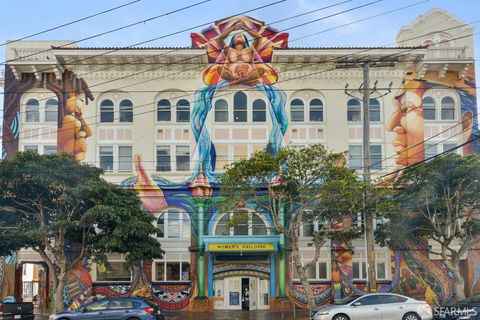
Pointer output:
x,y
467,309
378,306
114,308
12,310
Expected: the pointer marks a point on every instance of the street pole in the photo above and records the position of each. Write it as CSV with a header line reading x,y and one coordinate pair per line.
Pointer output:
x,y
367,218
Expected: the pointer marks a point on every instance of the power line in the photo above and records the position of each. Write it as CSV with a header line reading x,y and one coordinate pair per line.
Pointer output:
x,y
149,104
164,36
364,5
278,81
110,31
71,22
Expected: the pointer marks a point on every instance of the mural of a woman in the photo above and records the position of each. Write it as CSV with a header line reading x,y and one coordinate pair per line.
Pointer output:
x,y
240,63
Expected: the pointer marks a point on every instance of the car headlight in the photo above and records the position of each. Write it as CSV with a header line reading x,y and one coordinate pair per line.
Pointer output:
x,y
323,312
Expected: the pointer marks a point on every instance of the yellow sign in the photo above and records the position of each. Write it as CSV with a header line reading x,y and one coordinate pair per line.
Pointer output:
x,y
241,247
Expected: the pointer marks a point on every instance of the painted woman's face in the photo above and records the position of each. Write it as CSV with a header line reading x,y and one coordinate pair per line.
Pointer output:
x,y
238,38
407,124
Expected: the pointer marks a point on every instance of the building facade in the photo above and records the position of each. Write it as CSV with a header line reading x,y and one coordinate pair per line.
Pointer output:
x,y
165,121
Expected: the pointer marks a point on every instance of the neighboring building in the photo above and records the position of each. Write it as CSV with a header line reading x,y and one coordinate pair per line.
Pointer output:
x,y
162,121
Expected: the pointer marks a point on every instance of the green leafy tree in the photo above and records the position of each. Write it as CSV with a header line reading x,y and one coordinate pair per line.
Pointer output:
x,y
296,187
52,203
441,202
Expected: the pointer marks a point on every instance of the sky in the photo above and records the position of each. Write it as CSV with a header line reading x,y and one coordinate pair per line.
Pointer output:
x,y
22,18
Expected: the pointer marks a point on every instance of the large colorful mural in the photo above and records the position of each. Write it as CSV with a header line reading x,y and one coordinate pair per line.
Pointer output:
x,y
407,121
72,94
239,51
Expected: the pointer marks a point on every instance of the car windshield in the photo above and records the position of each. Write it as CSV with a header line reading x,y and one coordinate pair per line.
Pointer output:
x,y
346,300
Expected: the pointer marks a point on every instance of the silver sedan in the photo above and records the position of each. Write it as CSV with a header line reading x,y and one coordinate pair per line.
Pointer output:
x,y
376,306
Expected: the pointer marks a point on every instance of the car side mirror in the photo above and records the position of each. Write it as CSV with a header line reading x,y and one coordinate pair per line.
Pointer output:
x,y
357,304
84,310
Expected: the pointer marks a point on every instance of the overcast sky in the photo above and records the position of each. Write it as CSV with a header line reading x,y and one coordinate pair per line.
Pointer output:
x,y
21,18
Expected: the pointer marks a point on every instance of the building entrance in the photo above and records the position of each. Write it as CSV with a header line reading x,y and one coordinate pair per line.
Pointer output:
x,y
241,293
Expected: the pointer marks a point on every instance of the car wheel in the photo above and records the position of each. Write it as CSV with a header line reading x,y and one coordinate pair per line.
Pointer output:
x,y
411,316
341,317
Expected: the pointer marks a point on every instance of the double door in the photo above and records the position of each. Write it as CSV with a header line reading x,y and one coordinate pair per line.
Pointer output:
x,y
241,293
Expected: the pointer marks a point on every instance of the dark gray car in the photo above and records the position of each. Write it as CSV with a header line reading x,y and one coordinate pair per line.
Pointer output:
x,y
114,309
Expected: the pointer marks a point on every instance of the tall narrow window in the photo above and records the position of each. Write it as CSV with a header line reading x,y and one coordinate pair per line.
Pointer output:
x,y
125,158
32,111
51,110
126,111
221,111
428,108
355,157
240,107
431,150
183,158
106,111
259,113
164,112
163,159
297,110
376,156
183,110
106,158
316,110
354,110
374,106
448,108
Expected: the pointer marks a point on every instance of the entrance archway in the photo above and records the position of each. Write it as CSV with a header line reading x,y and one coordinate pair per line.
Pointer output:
x,y
243,291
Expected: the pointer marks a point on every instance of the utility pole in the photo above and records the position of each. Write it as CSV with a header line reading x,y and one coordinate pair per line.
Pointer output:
x,y
367,218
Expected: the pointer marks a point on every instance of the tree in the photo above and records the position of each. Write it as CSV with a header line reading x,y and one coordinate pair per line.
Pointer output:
x,y
51,202
441,201
305,185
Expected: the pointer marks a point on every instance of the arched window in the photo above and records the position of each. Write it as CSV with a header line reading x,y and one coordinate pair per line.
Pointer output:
x,y
183,110
126,111
240,107
32,111
241,223
374,106
297,110
173,224
221,111
164,112
428,104
354,110
106,111
316,110
51,110
259,113
448,108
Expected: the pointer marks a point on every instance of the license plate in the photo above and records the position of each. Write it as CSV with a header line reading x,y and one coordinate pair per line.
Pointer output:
x,y
17,316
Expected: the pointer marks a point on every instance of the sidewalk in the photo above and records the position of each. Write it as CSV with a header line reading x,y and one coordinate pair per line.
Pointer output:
x,y
227,315
236,315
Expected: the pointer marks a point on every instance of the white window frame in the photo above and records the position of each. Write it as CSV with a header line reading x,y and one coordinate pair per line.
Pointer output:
x,y
40,146
323,110
249,223
116,159
168,258
94,271
324,258
360,257
42,106
117,98
184,217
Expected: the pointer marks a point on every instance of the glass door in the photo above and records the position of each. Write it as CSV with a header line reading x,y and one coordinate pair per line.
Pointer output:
x,y
263,294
